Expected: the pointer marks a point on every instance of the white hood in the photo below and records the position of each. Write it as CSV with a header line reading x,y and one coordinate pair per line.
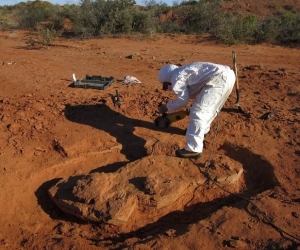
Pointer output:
x,y
165,73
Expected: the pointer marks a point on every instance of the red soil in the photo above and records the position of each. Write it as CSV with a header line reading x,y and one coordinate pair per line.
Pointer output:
x,y
50,131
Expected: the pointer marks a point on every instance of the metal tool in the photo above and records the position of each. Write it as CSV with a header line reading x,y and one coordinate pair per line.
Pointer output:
x,y
166,119
116,99
237,85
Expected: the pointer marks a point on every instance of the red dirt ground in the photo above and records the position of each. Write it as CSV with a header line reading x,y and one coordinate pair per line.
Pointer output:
x,y
50,131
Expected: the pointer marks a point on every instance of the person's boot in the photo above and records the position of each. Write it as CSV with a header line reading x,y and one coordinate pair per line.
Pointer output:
x,y
187,154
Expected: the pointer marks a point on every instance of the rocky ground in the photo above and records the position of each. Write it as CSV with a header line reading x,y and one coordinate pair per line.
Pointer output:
x,y
52,132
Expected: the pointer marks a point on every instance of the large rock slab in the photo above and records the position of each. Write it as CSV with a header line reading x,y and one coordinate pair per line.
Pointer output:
x,y
150,185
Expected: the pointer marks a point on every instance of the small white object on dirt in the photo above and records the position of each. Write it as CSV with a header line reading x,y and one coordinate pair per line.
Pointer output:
x,y
131,79
74,78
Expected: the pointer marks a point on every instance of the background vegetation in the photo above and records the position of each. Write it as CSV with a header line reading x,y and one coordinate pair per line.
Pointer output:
x,y
97,18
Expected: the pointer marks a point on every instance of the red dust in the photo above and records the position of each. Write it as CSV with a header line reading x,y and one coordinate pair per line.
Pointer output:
x,y
52,131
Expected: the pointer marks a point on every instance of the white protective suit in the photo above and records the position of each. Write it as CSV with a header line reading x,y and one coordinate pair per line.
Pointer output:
x,y
210,84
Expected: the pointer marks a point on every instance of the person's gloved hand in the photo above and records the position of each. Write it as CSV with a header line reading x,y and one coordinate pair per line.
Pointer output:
x,y
162,108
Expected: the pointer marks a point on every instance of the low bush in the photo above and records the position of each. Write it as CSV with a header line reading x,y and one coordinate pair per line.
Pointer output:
x,y
47,36
92,18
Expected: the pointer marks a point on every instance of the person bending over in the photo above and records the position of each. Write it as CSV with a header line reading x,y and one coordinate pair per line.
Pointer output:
x,y
209,85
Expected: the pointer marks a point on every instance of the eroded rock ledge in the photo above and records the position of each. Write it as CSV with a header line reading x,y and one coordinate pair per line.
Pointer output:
x,y
151,185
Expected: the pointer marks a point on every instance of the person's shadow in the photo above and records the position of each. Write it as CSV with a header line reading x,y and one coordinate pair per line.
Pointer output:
x,y
122,128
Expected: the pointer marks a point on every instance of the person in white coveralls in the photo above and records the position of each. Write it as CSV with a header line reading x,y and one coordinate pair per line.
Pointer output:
x,y
210,85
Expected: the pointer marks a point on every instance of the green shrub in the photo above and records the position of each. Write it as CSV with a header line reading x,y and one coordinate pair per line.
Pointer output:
x,y
143,21
282,30
101,17
236,28
289,28
267,31
3,18
73,13
169,27
47,36
33,14
31,41
92,18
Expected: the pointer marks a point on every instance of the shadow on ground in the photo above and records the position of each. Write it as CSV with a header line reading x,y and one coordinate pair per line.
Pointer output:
x,y
259,177
121,127
48,205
